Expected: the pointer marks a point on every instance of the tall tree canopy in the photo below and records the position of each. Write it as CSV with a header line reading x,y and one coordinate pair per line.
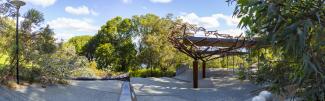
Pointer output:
x,y
154,48
112,46
295,29
79,42
119,36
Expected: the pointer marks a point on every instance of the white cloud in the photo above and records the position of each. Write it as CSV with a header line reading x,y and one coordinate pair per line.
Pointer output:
x,y
144,8
212,21
72,24
127,1
153,1
67,35
161,1
44,3
67,27
223,23
92,12
82,10
207,22
232,32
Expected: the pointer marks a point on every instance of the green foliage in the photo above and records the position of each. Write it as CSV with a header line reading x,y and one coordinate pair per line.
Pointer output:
x,y
151,73
230,62
59,66
241,73
7,31
46,41
32,19
154,47
40,58
78,42
123,55
112,47
295,30
105,55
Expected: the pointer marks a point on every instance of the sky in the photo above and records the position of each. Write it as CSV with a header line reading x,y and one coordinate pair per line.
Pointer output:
x,y
70,18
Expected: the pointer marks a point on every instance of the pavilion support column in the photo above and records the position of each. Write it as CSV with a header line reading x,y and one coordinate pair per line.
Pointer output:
x,y
195,74
203,69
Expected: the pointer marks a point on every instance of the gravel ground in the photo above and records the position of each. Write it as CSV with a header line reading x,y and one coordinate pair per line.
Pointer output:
x,y
220,86
78,91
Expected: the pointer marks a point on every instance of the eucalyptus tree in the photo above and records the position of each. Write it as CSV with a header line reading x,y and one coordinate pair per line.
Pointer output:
x,y
112,46
295,30
7,26
154,49
45,41
79,42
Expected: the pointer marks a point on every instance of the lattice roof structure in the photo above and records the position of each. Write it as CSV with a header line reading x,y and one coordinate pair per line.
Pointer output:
x,y
211,45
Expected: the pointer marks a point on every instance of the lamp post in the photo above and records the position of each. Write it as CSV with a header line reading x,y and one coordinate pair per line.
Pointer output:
x,y
17,4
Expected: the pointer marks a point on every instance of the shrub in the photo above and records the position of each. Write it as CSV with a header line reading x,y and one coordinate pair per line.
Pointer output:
x,y
30,74
4,75
55,68
91,71
151,73
241,74
83,72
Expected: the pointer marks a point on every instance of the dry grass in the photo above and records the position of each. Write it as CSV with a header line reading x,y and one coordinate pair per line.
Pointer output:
x,y
14,86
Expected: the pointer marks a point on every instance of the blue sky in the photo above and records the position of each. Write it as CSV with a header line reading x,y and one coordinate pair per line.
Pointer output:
x,y
71,18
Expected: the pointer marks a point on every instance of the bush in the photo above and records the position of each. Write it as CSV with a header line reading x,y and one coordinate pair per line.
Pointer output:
x,y
91,71
151,73
30,74
4,75
83,72
241,74
55,68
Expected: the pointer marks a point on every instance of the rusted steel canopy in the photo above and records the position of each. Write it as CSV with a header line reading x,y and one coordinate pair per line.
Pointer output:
x,y
212,46
219,42
203,48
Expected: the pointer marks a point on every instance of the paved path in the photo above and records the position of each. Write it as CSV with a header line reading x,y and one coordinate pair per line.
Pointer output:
x,y
220,86
217,88
78,91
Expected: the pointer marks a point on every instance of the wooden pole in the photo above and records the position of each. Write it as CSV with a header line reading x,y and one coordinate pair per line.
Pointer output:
x,y
203,69
195,74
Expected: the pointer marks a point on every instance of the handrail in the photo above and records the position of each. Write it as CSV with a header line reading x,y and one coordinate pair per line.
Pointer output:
x,y
127,92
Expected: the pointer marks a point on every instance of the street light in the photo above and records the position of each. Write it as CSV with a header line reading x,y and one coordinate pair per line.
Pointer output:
x,y
17,4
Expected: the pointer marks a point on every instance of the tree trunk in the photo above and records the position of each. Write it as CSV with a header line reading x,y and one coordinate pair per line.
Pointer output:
x,y
195,74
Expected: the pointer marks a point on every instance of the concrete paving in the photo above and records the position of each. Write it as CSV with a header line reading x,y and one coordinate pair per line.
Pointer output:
x,y
220,87
108,90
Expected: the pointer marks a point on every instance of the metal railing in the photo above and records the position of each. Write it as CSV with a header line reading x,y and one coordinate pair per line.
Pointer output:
x,y
127,92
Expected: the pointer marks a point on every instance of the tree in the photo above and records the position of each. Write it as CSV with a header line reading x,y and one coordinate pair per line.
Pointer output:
x,y
46,41
154,48
6,9
78,42
114,37
105,55
28,37
295,29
